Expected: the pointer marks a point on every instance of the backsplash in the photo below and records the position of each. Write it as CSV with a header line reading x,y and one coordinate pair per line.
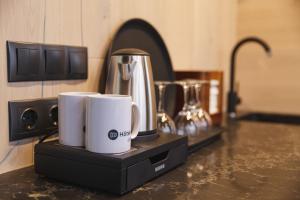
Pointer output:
x,y
193,33
276,86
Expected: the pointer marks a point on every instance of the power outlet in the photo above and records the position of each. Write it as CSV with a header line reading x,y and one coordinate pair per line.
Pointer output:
x,y
31,118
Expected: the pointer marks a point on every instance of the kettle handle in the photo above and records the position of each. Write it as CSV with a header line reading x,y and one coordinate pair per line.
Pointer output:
x,y
136,120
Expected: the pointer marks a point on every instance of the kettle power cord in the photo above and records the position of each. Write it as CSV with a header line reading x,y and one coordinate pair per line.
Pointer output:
x,y
7,154
40,141
47,136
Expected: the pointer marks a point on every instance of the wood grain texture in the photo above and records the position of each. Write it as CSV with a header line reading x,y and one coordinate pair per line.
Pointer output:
x,y
193,31
19,21
96,26
270,84
63,25
190,29
227,29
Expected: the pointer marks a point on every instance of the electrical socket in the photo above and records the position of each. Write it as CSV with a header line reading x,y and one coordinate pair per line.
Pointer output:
x,y
31,118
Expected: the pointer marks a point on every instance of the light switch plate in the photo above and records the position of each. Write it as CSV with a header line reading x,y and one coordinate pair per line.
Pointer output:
x,y
40,62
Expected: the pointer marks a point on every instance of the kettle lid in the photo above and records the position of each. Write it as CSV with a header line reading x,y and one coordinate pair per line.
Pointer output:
x,y
130,51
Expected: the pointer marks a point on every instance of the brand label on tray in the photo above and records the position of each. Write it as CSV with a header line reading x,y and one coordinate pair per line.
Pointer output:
x,y
159,167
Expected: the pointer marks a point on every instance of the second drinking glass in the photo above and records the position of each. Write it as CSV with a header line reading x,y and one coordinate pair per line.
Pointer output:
x,y
192,120
185,122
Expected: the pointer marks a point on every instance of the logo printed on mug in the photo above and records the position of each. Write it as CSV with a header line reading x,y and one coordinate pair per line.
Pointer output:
x,y
113,134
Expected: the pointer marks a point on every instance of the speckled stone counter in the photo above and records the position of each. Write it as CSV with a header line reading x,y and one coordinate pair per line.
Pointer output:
x,y
252,161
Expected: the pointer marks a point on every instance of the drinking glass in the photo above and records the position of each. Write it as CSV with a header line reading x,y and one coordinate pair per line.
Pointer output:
x,y
165,124
201,117
185,122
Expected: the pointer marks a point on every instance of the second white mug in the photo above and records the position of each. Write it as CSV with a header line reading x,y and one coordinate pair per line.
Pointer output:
x,y
71,117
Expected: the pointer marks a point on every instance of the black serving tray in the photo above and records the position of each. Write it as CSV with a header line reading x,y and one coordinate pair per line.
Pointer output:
x,y
204,138
114,173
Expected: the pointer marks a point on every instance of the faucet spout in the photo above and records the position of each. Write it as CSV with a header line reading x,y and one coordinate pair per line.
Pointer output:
x,y
233,98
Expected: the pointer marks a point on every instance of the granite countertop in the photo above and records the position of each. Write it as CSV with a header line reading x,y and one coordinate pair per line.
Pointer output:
x,y
251,161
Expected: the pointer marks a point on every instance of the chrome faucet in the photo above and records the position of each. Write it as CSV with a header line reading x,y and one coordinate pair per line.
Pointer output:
x,y
233,99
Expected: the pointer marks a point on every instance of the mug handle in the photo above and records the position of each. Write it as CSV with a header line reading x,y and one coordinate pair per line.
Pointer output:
x,y
136,120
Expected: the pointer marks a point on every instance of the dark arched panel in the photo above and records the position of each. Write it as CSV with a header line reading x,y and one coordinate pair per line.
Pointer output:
x,y
137,33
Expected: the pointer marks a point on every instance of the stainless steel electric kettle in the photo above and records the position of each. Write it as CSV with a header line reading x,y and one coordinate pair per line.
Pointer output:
x,y
130,73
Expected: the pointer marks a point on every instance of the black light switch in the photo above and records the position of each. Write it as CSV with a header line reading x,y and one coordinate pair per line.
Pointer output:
x,y
78,62
28,61
56,66
25,62
55,61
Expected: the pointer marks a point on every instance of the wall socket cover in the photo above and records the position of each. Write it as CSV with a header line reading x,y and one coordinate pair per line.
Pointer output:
x,y
30,118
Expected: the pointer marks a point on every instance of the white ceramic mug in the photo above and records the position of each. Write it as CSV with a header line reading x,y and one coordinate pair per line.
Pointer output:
x,y
108,123
71,117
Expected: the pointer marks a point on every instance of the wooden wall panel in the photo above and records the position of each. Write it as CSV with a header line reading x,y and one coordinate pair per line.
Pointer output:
x,y
96,26
227,34
63,25
270,84
19,21
63,22
190,29
193,32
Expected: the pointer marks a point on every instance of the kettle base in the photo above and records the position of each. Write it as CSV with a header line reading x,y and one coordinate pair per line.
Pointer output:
x,y
147,135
